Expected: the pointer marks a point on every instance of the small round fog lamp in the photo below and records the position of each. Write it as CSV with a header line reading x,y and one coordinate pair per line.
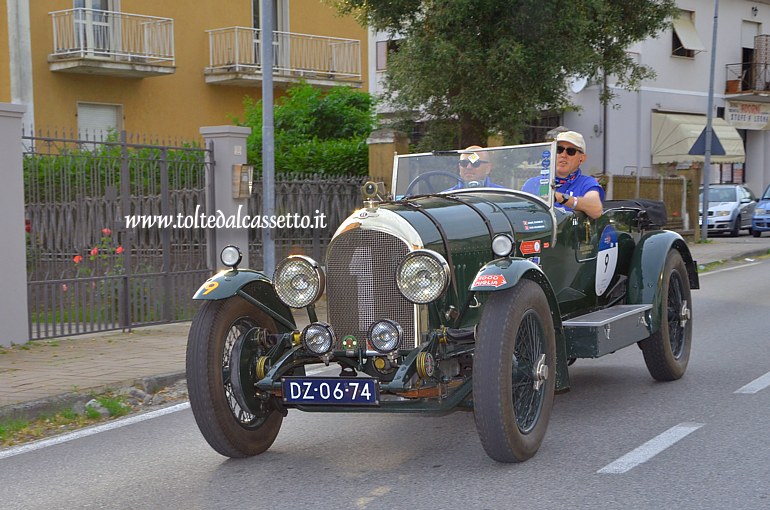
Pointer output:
x,y
385,336
318,338
230,256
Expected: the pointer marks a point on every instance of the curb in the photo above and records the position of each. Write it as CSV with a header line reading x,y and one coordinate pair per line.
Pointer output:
x,y
753,253
51,405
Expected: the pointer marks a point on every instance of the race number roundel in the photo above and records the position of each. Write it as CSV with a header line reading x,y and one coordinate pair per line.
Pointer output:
x,y
607,259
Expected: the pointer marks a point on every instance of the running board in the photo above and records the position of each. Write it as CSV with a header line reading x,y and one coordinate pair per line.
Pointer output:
x,y
605,331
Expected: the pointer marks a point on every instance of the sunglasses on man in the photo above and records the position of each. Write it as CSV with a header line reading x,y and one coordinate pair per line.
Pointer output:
x,y
571,151
464,163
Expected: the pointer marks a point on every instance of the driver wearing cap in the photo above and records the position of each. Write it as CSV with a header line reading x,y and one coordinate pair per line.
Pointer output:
x,y
575,191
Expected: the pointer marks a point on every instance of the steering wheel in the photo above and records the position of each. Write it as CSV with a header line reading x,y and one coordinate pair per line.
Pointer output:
x,y
425,176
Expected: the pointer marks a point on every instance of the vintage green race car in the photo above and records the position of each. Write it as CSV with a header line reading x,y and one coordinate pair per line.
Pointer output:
x,y
442,299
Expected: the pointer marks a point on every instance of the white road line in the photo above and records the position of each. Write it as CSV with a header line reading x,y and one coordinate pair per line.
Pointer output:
x,y
758,384
651,448
71,436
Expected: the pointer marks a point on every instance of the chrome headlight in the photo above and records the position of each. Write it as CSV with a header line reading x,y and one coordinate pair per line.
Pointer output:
x,y
422,276
385,335
721,213
760,211
230,256
318,338
299,281
502,245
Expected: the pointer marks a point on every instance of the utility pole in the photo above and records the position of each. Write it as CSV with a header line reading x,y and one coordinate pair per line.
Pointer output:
x,y
709,129
268,134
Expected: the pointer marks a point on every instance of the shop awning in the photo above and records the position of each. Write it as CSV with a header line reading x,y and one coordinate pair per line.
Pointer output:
x,y
673,135
688,35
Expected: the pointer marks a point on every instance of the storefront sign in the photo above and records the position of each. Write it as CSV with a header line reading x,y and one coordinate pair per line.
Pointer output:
x,y
748,115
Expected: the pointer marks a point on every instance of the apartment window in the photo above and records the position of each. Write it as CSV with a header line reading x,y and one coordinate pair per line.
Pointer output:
x,y
384,49
94,26
96,121
685,42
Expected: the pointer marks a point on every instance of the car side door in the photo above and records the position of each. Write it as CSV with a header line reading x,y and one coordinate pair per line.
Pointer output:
x,y
748,202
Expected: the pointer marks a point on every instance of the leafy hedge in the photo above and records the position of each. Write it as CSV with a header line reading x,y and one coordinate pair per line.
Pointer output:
x,y
315,131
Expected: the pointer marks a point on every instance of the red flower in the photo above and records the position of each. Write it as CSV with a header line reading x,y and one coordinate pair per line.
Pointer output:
x,y
27,226
94,251
119,250
77,259
106,231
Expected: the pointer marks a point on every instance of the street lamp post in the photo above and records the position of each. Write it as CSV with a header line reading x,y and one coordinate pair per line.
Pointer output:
x,y
709,128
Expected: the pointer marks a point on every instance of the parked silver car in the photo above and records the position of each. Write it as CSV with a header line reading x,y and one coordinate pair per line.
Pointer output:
x,y
731,207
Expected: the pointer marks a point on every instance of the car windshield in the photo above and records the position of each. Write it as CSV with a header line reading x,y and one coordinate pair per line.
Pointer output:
x,y
527,168
720,195
766,195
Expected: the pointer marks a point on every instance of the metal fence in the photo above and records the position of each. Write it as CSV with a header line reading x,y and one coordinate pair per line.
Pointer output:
x,y
334,197
86,270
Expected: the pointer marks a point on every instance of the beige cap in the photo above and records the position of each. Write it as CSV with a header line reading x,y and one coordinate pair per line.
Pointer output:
x,y
574,138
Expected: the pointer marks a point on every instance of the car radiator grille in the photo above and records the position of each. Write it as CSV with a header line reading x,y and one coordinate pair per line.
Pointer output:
x,y
361,284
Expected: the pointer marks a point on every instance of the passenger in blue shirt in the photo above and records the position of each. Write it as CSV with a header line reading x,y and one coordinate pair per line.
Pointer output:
x,y
574,191
474,170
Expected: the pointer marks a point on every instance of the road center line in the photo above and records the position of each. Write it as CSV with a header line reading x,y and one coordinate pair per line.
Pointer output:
x,y
71,436
758,384
651,448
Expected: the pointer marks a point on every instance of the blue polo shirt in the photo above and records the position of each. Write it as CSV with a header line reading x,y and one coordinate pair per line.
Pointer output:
x,y
575,184
486,184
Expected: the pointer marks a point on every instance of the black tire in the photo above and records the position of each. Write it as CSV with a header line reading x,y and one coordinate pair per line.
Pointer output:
x,y
736,227
756,233
512,416
667,352
230,429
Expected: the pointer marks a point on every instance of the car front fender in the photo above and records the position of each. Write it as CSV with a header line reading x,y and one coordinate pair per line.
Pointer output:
x,y
501,274
251,285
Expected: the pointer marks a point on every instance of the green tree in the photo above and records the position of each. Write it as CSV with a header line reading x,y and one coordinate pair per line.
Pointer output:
x,y
490,66
315,131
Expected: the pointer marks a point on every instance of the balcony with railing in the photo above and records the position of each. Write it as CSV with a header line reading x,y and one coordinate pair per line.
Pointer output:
x,y
111,43
748,82
235,58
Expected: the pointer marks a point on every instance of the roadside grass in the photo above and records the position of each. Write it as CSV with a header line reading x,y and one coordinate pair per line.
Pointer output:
x,y
15,431
711,266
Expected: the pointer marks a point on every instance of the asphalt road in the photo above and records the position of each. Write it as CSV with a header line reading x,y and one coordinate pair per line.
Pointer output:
x,y
617,440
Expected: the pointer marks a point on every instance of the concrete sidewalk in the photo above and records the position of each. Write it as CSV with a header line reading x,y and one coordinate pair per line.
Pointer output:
x,y
44,376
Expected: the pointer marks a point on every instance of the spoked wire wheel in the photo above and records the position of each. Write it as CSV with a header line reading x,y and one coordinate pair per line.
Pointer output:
x,y
514,371
220,378
667,351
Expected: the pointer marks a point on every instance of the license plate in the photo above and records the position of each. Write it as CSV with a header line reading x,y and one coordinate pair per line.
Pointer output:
x,y
331,390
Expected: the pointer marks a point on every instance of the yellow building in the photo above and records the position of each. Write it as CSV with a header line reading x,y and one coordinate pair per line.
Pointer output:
x,y
164,68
